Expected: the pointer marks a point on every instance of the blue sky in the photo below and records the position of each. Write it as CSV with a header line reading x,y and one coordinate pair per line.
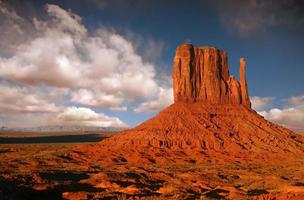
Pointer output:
x,y
269,34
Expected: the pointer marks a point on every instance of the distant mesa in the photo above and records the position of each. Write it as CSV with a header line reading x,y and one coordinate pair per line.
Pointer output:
x,y
210,121
201,74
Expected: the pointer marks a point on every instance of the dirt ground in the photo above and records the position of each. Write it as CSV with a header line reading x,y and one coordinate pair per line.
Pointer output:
x,y
43,171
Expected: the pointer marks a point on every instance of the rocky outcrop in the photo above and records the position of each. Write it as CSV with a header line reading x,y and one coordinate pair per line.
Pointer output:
x,y
243,83
209,124
201,74
209,120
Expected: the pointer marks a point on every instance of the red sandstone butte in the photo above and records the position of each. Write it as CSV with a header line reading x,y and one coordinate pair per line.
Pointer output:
x,y
211,120
200,74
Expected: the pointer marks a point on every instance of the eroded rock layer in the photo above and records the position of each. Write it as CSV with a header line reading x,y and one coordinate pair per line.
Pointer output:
x,y
202,74
202,133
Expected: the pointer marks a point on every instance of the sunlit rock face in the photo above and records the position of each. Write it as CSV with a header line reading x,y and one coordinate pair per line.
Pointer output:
x,y
201,74
210,121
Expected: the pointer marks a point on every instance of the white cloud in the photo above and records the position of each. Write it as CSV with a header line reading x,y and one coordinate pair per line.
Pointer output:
x,y
296,100
11,17
260,103
49,64
20,99
289,117
70,116
26,120
292,116
88,117
164,99
86,97
55,62
101,69
65,20
11,28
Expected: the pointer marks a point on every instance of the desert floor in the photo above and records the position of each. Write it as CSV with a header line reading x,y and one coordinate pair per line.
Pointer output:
x,y
33,169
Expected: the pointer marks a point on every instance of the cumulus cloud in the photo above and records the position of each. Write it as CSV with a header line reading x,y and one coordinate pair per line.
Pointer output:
x,y
86,116
292,116
58,63
26,120
164,99
69,116
13,29
64,20
11,17
250,16
296,100
103,66
86,97
260,103
21,99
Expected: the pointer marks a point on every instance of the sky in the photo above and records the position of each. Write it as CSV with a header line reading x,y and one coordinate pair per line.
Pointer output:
x,y
108,63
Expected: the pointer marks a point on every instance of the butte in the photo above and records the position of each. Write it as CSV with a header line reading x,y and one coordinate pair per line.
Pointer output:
x,y
210,121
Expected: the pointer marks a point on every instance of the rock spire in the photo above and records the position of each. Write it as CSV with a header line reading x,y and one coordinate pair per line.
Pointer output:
x,y
201,74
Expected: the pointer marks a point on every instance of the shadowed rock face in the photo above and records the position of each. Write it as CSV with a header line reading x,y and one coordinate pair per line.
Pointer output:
x,y
202,74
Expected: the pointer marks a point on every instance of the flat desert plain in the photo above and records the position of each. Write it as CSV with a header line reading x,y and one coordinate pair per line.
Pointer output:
x,y
34,170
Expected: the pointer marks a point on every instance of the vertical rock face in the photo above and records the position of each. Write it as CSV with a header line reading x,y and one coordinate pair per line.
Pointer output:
x,y
243,83
202,74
